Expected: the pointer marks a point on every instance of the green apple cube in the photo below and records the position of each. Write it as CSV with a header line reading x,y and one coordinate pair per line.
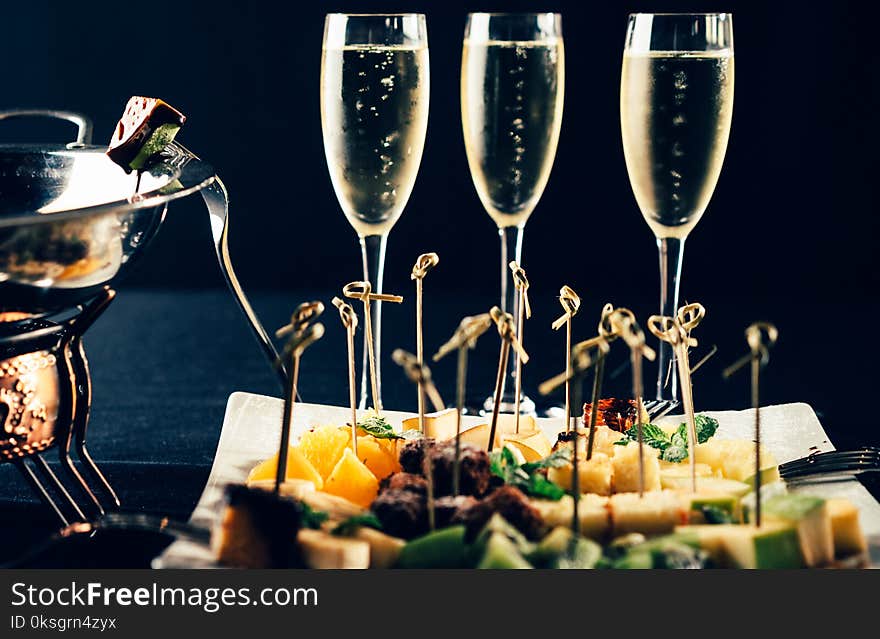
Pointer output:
x,y
501,554
810,517
697,503
772,546
444,548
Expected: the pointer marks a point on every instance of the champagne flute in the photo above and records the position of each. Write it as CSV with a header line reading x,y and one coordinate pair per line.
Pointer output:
x,y
512,88
374,116
676,103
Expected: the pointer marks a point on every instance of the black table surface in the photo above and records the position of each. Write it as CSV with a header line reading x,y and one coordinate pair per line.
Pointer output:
x,y
164,363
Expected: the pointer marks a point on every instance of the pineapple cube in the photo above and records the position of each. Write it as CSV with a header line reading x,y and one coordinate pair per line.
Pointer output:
x,y
735,459
848,536
657,512
625,467
592,513
683,469
594,475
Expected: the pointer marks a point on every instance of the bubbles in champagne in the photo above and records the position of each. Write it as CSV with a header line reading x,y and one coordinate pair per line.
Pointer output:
x,y
512,96
374,107
675,119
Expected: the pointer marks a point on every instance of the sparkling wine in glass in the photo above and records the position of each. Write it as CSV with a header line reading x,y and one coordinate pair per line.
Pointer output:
x,y
374,116
676,103
512,88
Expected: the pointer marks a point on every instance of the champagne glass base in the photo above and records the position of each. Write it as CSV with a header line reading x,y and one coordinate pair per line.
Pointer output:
x,y
508,405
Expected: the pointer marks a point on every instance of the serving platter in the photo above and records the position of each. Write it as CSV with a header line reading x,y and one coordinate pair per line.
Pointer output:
x,y
250,435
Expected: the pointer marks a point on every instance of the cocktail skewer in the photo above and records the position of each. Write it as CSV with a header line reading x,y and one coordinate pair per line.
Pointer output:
x,y
759,355
420,375
424,263
363,291
507,331
608,333
575,370
302,335
465,338
571,302
350,322
523,311
677,332
629,331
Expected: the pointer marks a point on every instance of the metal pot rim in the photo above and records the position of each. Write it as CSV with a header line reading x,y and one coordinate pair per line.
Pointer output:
x,y
186,173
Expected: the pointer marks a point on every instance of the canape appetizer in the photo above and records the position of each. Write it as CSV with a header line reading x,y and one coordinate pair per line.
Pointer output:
x,y
512,511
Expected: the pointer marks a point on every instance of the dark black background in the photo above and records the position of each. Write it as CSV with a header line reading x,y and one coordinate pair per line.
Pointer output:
x,y
789,235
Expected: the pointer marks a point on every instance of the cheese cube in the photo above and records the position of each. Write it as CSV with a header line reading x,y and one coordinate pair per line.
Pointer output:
x,y
323,550
848,536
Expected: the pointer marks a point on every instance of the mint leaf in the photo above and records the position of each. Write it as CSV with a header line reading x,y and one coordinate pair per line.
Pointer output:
x,y
350,525
706,427
528,477
673,448
540,486
557,459
312,518
378,427
715,515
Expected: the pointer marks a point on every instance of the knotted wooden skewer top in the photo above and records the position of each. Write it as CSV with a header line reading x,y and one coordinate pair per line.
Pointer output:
x,y
346,313
418,373
415,371
677,330
689,316
571,302
755,334
521,282
363,291
628,329
302,315
297,328
302,340
507,331
424,263
466,335
609,329
581,360
760,336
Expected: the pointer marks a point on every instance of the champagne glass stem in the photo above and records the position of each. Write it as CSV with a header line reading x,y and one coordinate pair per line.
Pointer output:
x,y
671,251
373,254
511,249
